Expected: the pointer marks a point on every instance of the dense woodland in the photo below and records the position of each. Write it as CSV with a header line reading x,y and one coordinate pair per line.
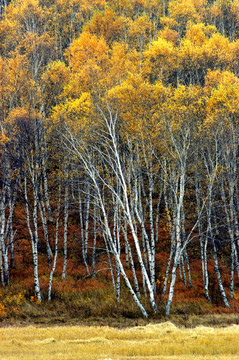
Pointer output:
x,y
119,146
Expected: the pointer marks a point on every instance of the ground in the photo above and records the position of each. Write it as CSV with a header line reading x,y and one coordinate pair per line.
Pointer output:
x,y
162,341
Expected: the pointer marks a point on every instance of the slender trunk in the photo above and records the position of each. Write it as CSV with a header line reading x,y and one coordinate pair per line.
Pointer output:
x,y
56,244
1,266
112,133
87,218
66,215
236,240
45,183
94,239
230,217
3,250
185,254
211,236
116,237
114,250
152,235
150,282
178,252
224,297
45,227
171,256
173,279
203,242
146,240
109,260
99,182
34,237
11,203
82,211
127,245
157,216
172,237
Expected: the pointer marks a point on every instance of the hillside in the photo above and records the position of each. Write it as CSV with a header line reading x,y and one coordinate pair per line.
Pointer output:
x,y
119,189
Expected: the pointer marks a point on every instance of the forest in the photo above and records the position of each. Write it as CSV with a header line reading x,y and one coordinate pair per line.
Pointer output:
x,y
119,145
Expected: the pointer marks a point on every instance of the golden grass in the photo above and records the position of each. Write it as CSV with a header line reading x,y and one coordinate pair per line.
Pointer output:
x,y
159,341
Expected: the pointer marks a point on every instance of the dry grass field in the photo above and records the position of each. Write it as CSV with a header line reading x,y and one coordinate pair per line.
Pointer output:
x,y
158,341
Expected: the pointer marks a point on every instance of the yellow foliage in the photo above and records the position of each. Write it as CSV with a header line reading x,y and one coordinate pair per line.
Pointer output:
x,y
122,62
3,139
11,303
38,45
9,36
199,33
88,58
191,54
228,7
169,35
139,31
169,22
56,74
160,60
76,114
139,103
28,14
106,25
87,51
21,123
223,93
183,11
217,51
55,79
33,299
184,105
234,57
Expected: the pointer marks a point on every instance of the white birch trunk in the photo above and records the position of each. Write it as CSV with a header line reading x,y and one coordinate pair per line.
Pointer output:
x,y
127,245
42,210
111,128
10,232
230,220
172,237
211,236
94,239
34,238
66,215
56,244
3,250
178,251
82,211
203,242
93,174
87,218
45,183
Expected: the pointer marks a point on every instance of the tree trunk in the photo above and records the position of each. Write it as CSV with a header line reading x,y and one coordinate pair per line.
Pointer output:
x,y
56,244
66,215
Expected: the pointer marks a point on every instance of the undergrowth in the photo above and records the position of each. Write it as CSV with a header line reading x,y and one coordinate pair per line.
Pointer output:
x,y
96,303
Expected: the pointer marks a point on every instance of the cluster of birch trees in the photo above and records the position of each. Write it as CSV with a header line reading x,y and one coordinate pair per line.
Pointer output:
x,y
124,116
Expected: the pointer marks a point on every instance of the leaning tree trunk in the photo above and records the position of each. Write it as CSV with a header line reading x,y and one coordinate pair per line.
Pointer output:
x,y
178,250
211,237
42,210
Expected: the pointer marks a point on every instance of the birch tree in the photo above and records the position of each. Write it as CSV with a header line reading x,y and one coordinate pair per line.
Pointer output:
x,y
109,154
178,128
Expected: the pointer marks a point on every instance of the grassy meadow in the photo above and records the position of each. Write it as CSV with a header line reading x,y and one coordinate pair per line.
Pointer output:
x,y
154,341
